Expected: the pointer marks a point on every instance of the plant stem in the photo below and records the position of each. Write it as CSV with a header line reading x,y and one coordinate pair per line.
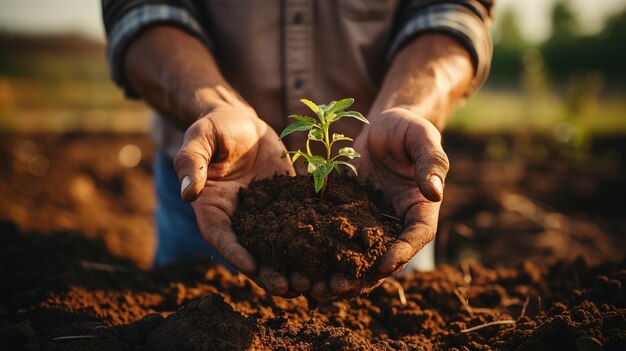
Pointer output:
x,y
327,142
328,149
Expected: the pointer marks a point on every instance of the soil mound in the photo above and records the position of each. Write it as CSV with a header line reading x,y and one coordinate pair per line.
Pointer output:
x,y
285,225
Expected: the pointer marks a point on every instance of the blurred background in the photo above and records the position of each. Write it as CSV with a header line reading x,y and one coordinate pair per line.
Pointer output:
x,y
537,155
555,61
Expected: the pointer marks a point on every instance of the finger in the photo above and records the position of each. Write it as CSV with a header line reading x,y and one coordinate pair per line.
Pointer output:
x,y
215,226
299,282
192,160
340,284
320,292
291,294
421,230
423,143
431,168
274,282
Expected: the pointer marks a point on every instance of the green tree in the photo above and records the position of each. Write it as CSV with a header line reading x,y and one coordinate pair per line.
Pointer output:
x,y
565,24
507,32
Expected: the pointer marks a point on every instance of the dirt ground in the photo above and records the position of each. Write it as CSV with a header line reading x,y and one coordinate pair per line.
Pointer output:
x,y
535,250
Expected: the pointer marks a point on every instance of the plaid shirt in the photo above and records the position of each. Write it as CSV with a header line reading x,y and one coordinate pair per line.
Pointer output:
x,y
276,52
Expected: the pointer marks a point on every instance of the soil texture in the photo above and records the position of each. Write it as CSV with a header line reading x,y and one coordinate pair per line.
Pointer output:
x,y
77,234
63,292
288,227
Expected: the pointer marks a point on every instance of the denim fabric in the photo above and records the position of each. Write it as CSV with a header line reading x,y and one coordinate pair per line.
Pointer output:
x,y
178,235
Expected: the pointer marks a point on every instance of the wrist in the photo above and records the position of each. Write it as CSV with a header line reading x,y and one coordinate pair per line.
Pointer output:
x,y
430,105
403,116
200,102
428,77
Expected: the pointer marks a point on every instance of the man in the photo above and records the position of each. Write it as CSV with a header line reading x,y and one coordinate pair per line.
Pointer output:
x,y
223,75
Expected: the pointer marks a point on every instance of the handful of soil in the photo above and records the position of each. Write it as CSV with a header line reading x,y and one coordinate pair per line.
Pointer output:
x,y
288,227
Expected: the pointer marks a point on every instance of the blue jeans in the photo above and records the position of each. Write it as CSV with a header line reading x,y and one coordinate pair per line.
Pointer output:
x,y
178,235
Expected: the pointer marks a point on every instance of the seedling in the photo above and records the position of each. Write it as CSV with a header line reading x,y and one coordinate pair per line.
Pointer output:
x,y
319,130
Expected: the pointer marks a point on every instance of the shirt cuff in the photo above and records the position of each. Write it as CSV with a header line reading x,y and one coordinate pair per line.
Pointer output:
x,y
461,23
133,23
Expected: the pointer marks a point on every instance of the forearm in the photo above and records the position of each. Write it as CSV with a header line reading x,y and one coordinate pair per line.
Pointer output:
x,y
429,77
176,74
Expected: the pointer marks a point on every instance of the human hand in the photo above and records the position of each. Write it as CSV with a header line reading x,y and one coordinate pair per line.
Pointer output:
x,y
221,152
401,154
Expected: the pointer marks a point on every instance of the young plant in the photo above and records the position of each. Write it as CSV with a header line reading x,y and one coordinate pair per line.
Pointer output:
x,y
319,131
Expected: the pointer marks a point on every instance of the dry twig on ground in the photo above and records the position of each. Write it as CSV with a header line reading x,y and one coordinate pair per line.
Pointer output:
x,y
478,327
398,286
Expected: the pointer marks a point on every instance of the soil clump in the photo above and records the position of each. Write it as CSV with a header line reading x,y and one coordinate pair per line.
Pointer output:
x,y
287,226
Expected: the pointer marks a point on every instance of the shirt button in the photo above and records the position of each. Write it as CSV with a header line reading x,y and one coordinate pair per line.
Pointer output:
x,y
298,83
298,18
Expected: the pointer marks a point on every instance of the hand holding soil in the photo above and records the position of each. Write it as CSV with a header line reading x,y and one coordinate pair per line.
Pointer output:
x,y
222,152
401,154
333,233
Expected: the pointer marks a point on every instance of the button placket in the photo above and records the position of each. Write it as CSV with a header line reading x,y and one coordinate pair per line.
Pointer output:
x,y
298,52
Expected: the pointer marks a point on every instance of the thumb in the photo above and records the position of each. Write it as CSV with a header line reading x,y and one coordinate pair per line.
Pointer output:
x,y
431,168
193,159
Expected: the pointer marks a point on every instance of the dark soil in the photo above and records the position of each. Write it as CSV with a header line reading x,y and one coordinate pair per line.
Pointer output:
x,y
49,291
287,226
510,233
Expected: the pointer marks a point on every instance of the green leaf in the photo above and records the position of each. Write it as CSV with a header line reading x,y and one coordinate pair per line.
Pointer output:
x,y
314,163
348,152
320,174
316,134
335,106
305,119
295,127
349,165
352,114
329,107
340,137
311,167
319,112
341,105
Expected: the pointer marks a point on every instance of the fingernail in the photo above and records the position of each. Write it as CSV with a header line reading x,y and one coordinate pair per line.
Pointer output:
x,y
437,183
184,184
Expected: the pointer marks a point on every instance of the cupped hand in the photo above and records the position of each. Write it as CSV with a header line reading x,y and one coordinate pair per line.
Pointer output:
x,y
221,152
401,154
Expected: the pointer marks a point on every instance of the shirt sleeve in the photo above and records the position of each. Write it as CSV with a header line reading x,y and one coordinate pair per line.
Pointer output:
x,y
125,19
468,21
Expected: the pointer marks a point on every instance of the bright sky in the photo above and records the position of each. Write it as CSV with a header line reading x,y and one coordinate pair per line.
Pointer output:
x,y
84,15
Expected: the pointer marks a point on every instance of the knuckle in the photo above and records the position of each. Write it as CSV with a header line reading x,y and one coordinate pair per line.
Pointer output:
x,y
434,161
197,129
180,160
428,237
228,251
188,157
440,160
419,233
